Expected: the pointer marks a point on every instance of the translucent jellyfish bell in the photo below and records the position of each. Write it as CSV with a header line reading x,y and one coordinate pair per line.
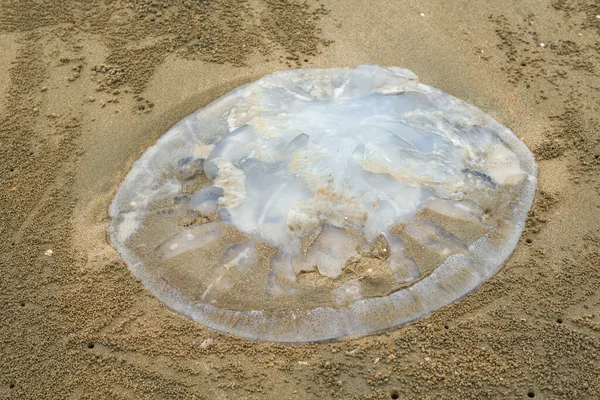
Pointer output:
x,y
321,203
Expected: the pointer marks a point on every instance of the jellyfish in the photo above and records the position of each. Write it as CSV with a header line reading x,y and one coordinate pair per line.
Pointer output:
x,y
315,204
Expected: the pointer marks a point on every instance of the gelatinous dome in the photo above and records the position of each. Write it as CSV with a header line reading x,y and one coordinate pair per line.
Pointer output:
x,y
320,203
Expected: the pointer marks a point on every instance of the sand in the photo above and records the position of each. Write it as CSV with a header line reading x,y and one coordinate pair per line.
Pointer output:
x,y
85,89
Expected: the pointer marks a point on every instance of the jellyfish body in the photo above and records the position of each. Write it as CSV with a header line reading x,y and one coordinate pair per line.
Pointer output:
x,y
321,203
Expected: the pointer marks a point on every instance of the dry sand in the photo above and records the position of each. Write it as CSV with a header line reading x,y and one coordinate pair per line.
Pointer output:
x,y
86,88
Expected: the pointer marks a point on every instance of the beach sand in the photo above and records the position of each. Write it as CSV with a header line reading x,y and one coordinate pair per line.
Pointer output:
x,y
85,89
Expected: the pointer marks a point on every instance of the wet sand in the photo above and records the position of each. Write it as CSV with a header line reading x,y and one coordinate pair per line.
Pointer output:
x,y
86,89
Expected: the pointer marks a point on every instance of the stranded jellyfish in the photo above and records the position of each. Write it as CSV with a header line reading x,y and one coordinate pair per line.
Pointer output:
x,y
321,203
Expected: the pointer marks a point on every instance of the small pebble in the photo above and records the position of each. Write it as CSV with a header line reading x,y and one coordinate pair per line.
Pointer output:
x,y
207,343
48,253
422,14
91,99
542,44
